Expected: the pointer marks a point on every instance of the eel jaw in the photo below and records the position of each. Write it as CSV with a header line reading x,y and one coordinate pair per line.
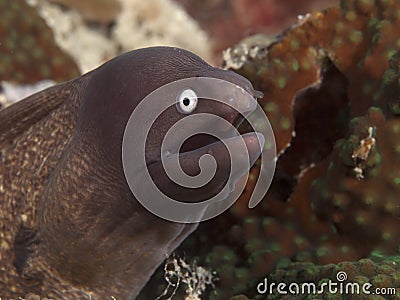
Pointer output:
x,y
189,156
189,163
253,141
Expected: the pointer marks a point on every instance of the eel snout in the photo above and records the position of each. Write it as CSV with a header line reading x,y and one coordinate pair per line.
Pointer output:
x,y
227,158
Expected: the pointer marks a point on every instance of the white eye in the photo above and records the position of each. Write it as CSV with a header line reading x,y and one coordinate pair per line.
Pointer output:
x,y
187,101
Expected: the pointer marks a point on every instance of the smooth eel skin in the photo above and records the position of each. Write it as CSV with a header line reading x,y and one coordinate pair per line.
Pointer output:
x,y
70,227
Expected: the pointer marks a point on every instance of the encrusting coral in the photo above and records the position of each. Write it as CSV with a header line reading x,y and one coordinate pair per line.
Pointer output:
x,y
368,273
331,92
28,52
219,17
358,39
359,193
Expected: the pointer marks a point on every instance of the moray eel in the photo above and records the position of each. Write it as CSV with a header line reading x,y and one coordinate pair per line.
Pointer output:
x,y
70,226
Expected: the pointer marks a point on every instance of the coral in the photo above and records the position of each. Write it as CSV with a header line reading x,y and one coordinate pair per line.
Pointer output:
x,y
195,278
364,207
331,93
28,52
218,17
348,180
379,272
93,33
149,23
331,86
87,45
103,11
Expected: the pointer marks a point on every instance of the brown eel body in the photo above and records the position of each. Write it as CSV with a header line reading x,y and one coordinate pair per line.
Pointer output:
x,y
70,228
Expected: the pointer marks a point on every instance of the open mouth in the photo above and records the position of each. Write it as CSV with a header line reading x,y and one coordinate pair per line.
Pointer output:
x,y
202,140
230,149
193,152
197,141
227,150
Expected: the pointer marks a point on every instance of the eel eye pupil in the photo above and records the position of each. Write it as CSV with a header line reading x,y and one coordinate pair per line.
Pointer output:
x,y
187,101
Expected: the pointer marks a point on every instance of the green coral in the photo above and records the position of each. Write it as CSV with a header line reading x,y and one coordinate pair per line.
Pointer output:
x,y
344,204
377,271
28,52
